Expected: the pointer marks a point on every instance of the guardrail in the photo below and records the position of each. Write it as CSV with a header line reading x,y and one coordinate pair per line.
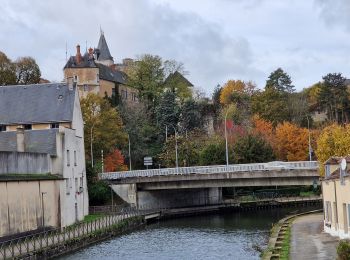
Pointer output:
x,y
211,169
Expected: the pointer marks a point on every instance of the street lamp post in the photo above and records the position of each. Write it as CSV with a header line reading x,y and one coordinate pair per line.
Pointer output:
x,y
226,138
308,127
176,155
91,152
129,153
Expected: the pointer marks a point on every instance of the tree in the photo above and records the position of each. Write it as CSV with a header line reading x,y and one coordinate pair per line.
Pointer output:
x,y
27,71
280,81
264,129
271,105
103,124
190,117
291,142
233,89
213,152
334,98
334,140
299,109
252,149
146,138
7,70
115,162
168,111
147,75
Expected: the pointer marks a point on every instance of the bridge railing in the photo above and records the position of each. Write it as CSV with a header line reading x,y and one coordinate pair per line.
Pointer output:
x,y
211,169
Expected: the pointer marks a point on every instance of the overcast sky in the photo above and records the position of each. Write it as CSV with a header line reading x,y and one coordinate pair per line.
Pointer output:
x,y
216,40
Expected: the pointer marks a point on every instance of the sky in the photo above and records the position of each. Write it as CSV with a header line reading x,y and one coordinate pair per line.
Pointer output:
x,y
216,40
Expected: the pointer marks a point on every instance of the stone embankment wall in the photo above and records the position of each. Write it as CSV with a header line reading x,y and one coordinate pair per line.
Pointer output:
x,y
24,163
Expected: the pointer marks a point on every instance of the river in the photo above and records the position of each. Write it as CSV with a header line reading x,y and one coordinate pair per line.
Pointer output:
x,y
234,235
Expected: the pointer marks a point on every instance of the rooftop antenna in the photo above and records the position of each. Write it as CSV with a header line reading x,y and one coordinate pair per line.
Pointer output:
x,y
85,45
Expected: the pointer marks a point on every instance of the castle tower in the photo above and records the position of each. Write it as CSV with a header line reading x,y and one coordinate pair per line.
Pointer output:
x,y
102,54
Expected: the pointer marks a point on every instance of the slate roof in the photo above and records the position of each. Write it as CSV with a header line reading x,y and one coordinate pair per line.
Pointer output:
x,y
39,103
109,74
103,50
87,61
36,141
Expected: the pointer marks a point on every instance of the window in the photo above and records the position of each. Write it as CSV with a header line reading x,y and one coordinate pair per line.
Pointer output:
x,y
75,78
327,170
75,158
113,92
27,127
328,211
55,125
76,185
335,212
86,88
97,78
124,94
67,186
133,97
2,128
68,159
81,182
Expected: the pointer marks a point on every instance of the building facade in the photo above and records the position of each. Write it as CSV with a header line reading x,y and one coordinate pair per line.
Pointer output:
x,y
47,119
95,72
336,197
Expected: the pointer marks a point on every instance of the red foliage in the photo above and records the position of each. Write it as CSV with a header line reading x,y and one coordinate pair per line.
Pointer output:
x,y
115,162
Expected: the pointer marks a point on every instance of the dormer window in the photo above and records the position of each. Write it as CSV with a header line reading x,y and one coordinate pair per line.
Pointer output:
x,y
27,127
55,125
2,128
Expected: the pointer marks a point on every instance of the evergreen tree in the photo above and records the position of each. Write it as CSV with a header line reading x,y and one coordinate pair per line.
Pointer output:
x,y
190,117
280,80
168,111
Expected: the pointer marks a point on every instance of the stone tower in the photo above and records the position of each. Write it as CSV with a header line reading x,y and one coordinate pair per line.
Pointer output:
x,y
102,54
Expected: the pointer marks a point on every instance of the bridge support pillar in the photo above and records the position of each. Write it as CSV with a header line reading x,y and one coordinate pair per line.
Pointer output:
x,y
174,198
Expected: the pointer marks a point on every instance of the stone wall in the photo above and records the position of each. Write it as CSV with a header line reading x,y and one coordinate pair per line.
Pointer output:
x,y
24,163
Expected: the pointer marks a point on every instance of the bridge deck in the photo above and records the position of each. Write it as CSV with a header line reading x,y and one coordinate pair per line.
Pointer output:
x,y
217,169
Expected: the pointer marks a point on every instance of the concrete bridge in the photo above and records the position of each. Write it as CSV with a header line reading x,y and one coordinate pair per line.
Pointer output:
x,y
202,185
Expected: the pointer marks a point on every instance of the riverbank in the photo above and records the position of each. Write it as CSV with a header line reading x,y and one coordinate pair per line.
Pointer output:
x,y
280,237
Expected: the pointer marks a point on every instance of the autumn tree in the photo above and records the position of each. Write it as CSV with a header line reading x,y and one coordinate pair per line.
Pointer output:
x,y
103,124
291,142
114,161
264,129
7,70
27,71
334,140
234,89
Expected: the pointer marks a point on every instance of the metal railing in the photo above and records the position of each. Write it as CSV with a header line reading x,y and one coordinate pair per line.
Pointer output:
x,y
28,245
212,169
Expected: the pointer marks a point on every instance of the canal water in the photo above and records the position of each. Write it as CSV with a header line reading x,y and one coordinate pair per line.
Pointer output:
x,y
233,235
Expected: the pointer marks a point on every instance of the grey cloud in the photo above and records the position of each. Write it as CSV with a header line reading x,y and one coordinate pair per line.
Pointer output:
x,y
42,28
334,13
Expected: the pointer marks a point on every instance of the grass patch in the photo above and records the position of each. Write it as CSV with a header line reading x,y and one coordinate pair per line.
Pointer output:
x,y
92,217
284,255
29,176
307,193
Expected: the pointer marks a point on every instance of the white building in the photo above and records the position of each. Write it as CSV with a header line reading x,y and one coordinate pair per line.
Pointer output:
x,y
50,115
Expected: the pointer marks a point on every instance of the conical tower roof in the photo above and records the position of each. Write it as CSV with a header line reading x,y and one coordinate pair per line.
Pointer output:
x,y
104,53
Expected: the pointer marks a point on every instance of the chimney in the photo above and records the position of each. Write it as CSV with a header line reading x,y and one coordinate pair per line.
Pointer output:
x,y
20,139
91,52
78,55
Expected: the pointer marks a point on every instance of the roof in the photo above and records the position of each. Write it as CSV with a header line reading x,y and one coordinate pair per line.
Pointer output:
x,y
87,61
103,49
110,74
38,103
333,160
36,141
177,77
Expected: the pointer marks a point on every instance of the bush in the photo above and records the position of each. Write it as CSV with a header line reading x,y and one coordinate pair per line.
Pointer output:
x,y
343,250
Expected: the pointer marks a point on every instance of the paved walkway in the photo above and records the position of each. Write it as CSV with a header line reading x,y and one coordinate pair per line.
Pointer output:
x,y
308,241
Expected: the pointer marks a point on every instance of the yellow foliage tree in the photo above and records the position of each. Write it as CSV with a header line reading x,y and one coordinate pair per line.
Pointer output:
x,y
334,140
291,142
237,86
